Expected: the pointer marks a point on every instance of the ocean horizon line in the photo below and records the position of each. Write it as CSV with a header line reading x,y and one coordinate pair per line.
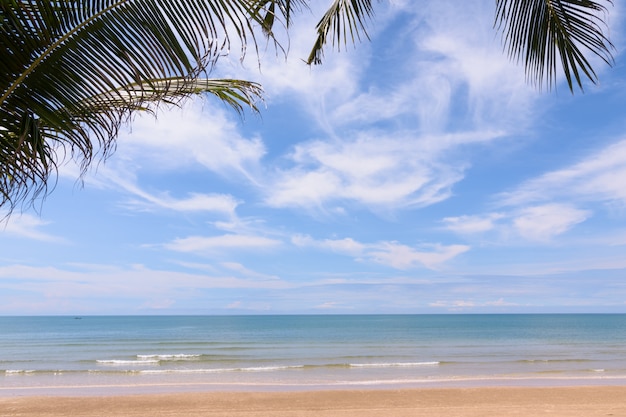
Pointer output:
x,y
80,316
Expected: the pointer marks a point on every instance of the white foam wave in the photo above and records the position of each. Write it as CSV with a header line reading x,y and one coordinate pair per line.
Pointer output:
x,y
219,370
18,371
392,364
169,357
128,362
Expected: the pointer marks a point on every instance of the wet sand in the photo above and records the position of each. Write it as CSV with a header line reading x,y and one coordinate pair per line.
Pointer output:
x,y
427,402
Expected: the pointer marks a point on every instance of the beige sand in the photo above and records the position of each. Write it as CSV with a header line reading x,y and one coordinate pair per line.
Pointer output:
x,y
454,402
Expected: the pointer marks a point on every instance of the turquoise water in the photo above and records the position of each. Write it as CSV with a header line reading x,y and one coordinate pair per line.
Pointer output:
x,y
71,355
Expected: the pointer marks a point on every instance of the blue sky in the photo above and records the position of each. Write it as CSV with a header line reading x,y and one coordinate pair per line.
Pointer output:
x,y
418,173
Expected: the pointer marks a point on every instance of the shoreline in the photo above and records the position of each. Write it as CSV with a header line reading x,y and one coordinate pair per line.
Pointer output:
x,y
131,386
164,387
571,401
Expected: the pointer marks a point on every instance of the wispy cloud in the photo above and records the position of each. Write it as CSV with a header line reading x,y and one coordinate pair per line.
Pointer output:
x,y
406,153
378,171
217,203
346,246
537,223
458,305
211,244
246,272
27,226
598,177
392,254
200,134
546,221
404,257
472,224
553,203
333,305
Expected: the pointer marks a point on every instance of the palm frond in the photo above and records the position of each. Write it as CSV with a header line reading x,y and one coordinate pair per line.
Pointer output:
x,y
345,21
148,95
72,72
549,35
273,10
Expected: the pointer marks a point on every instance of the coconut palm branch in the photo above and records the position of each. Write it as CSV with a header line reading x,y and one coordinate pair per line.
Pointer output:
x,y
73,71
550,35
344,22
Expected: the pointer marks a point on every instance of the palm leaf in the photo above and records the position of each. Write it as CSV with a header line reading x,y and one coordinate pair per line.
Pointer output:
x,y
73,71
345,21
147,96
268,10
552,34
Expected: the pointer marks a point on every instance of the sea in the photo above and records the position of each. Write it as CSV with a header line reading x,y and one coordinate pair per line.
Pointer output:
x,y
149,354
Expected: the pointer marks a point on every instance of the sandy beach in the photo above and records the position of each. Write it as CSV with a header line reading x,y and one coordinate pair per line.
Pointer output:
x,y
448,402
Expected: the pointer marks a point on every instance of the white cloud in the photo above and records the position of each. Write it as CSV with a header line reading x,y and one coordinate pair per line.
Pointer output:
x,y
453,304
539,223
346,246
27,226
243,271
122,177
469,56
181,139
217,203
404,257
450,56
332,305
598,177
218,243
199,135
202,133
472,224
546,221
281,78
461,304
195,135
209,202
378,171
548,205
391,254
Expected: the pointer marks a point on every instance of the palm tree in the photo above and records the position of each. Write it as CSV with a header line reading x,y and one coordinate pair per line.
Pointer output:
x,y
73,71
